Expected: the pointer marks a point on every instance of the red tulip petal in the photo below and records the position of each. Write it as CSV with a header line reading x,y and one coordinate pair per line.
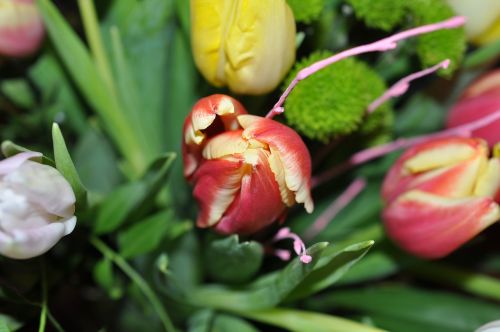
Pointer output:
x,y
291,149
216,184
472,109
202,123
431,226
258,203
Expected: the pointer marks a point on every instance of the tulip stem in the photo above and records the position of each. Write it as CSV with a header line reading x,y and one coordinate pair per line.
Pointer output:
x,y
43,312
137,279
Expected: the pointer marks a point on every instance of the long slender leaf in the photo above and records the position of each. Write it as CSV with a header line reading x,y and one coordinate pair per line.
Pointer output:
x,y
65,165
304,321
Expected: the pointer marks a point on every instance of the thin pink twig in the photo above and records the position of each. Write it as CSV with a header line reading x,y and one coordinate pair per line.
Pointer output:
x,y
378,151
378,46
335,207
401,86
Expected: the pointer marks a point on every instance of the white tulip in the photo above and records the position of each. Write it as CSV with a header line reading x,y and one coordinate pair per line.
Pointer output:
x,y
37,206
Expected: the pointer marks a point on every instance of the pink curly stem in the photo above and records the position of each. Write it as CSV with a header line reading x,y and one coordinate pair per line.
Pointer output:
x,y
378,46
401,86
335,207
298,245
378,151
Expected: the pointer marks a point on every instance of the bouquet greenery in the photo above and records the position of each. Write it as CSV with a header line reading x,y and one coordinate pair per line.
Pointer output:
x,y
237,165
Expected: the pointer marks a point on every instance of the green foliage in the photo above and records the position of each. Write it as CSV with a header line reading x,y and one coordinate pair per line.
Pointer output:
x,y
147,235
294,281
402,308
380,14
229,261
334,100
306,11
65,165
433,47
132,198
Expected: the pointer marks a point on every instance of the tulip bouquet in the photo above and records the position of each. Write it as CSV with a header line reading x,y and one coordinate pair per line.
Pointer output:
x,y
237,165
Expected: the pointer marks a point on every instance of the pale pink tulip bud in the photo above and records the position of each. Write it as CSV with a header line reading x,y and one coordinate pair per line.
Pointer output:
x,y
245,169
37,206
440,194
21,28
480,99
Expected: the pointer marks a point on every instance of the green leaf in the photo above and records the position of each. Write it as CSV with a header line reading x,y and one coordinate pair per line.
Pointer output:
x,y
96,162
375,265
420,115
146,235
133,199
9,324
304,321
18,91
400,308
10,149
333,264
104,276
118,205
482,56
58,100
65,165
92,85
227,323
229,261
295,280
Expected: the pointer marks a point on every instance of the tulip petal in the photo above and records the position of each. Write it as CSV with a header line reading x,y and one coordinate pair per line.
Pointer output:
x,y
432,226
42,185
451,173
28,243
258,203
216,184
21,28
9,164
488,183
225,144
290,148
202,123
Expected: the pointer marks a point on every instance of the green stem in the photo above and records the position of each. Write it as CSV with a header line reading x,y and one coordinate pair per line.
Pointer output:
x,y
43,312
123,130
137,279
91,26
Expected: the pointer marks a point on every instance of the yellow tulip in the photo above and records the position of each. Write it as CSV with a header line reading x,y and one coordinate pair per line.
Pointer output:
x,y
247,45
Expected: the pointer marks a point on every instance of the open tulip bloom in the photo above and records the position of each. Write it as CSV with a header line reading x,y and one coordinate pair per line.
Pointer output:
x,y
245,169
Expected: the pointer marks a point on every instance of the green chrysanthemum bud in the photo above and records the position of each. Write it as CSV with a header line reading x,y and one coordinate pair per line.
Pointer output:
x,y
334,100
433,47
306,11
380,14
439,45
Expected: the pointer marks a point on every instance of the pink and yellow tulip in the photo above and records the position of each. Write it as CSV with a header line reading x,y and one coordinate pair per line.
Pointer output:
x,y
245,169
21,28
480,99
440,194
